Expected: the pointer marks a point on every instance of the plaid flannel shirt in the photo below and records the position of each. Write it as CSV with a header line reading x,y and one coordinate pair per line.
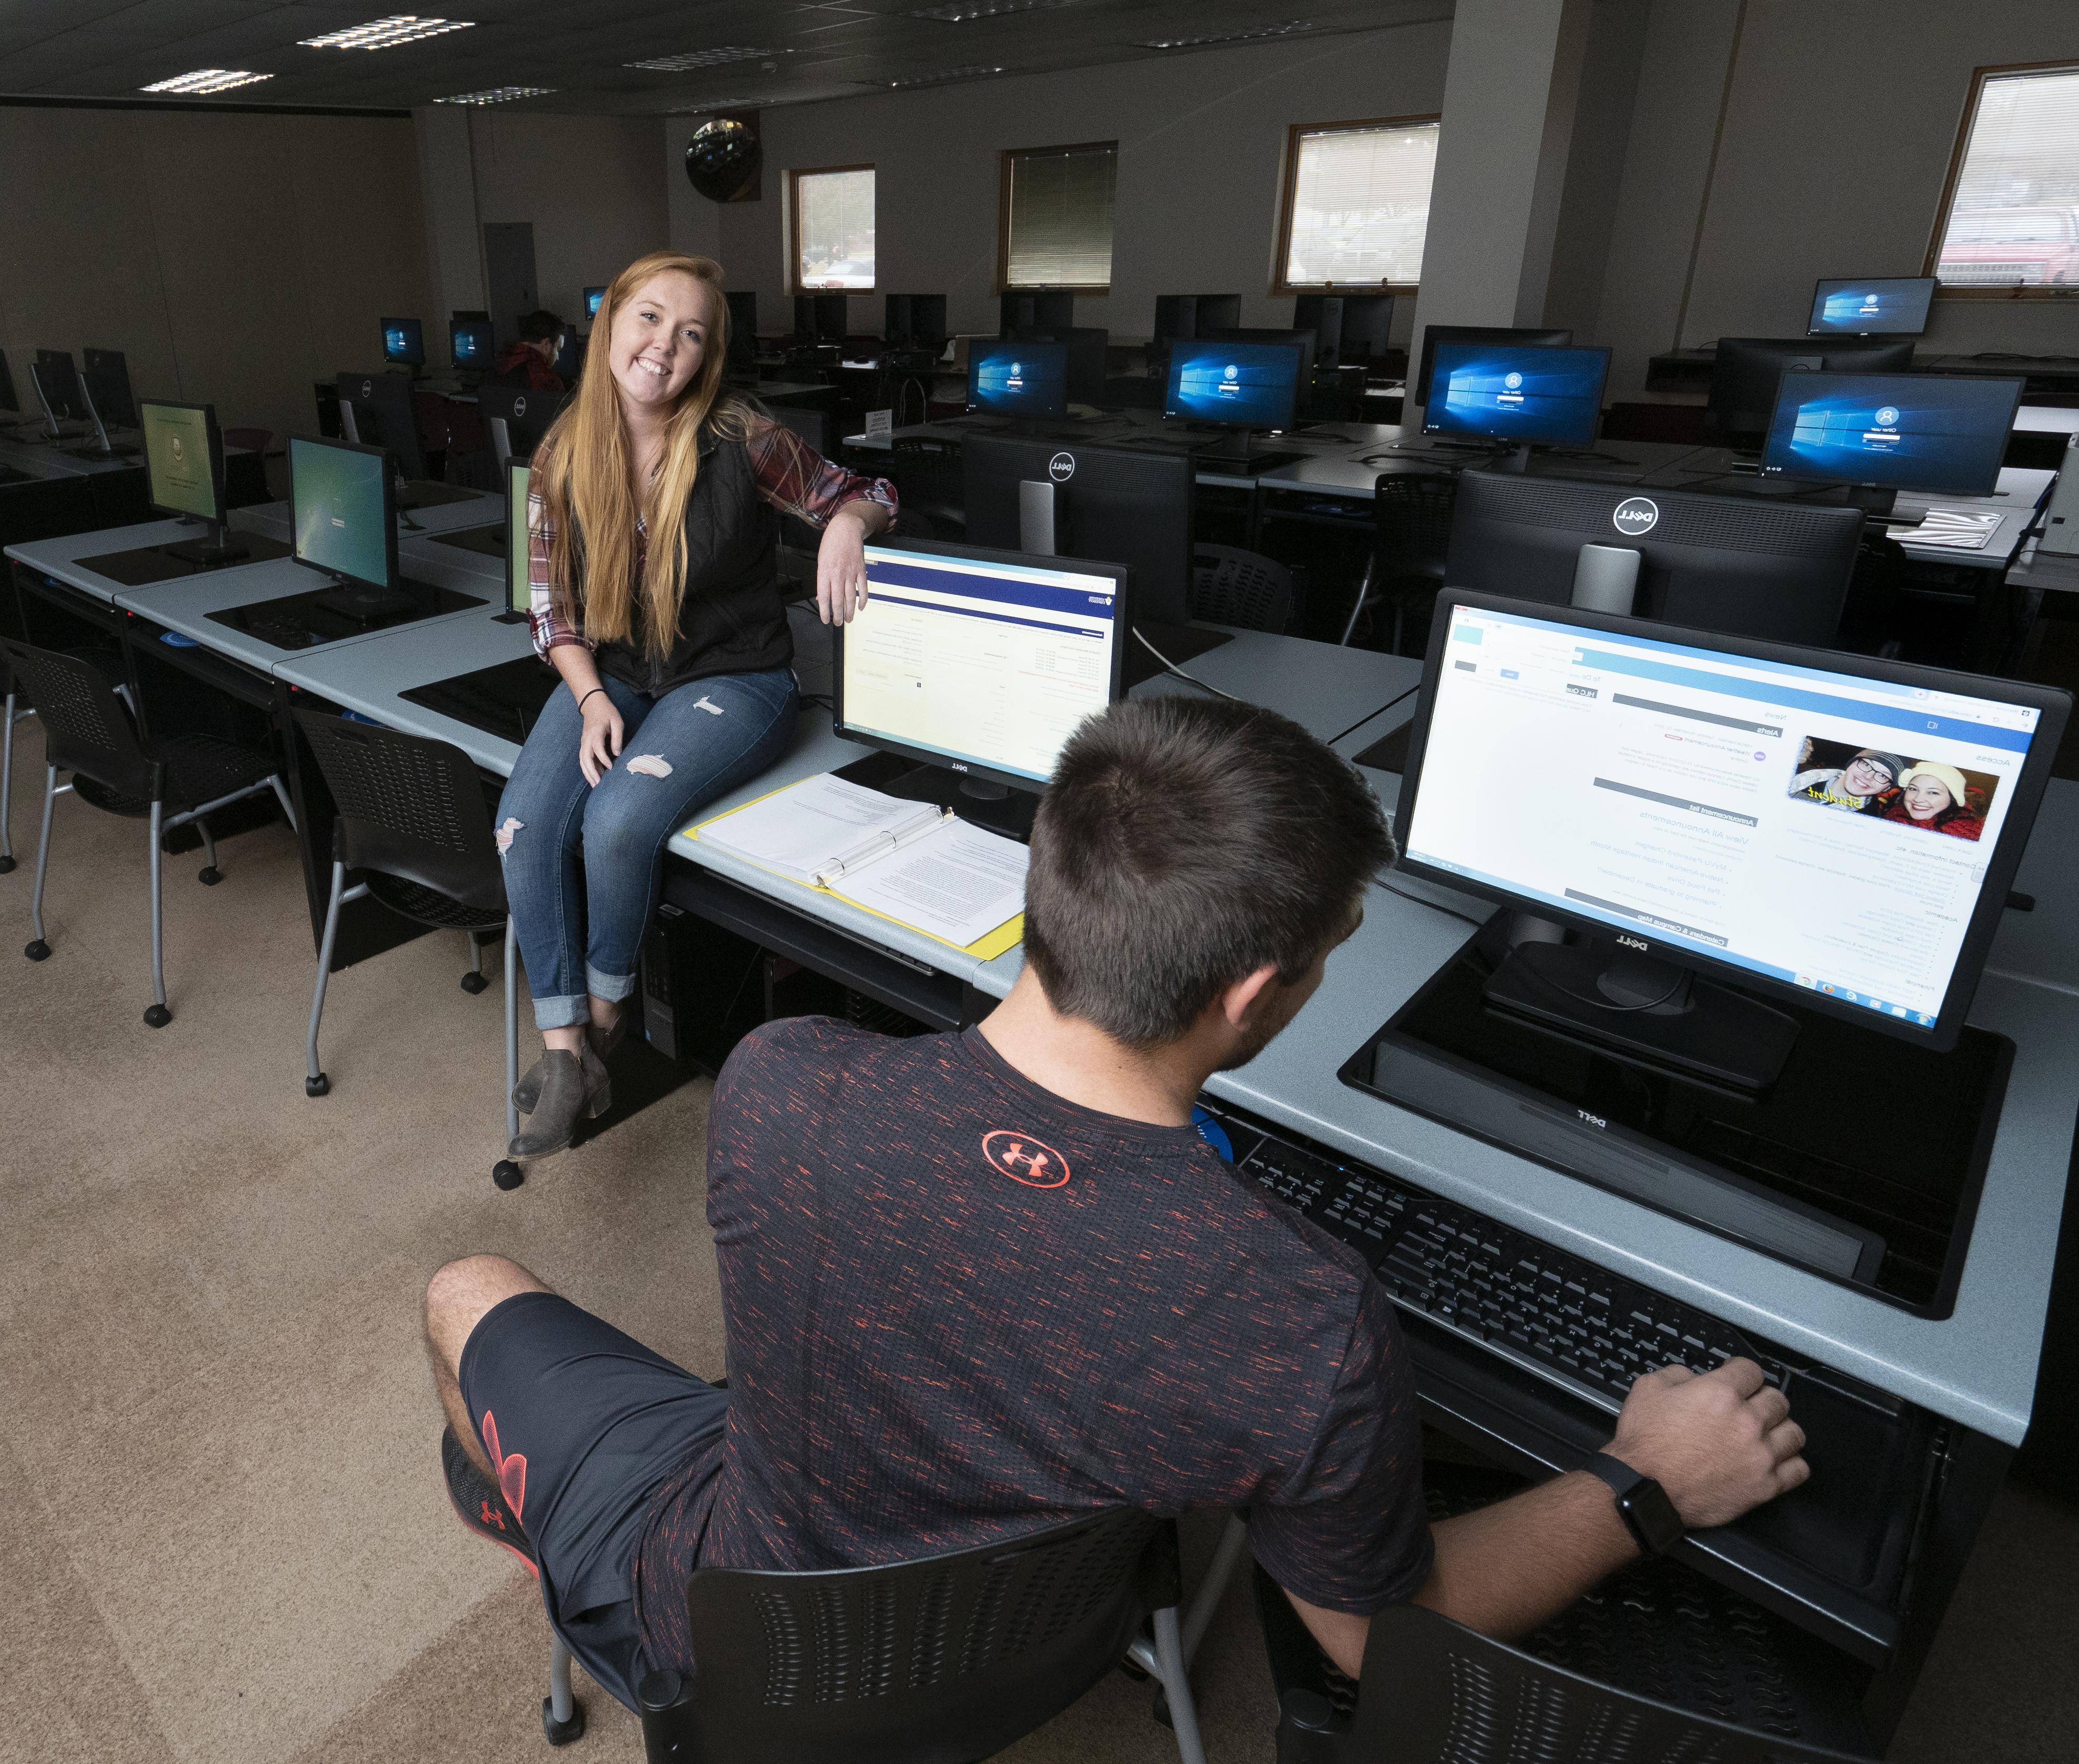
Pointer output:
x,y
790,475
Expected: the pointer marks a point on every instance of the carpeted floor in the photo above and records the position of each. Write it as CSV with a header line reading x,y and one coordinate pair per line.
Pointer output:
x,y
230,1542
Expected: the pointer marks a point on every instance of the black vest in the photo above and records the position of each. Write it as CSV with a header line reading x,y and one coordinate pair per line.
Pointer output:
x,y
732,619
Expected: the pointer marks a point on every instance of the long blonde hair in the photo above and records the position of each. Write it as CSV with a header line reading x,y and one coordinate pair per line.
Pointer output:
x,y
583,471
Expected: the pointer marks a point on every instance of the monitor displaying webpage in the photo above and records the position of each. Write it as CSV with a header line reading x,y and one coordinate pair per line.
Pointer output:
x,y
991,664
1823,830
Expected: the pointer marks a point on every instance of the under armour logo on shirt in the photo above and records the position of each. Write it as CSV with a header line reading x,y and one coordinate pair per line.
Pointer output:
x,y
1024,1159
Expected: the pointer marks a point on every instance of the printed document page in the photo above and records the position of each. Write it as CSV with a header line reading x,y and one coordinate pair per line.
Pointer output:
x,y
822,822
958,882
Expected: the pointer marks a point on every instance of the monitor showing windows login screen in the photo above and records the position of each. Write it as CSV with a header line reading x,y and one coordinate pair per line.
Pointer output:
x,y
982,663
1895,306
592,297
1819,828
338,509
1901,431
179,474
471,338
1516,393
1245,385
403,342
1018,379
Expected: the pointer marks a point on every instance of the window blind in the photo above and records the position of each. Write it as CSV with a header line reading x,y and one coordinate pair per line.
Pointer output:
x,y
1058,217
1361,205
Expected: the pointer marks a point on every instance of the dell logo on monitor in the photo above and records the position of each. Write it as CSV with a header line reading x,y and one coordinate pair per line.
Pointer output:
x,y
1633,942
1635,515
1062,467
519,406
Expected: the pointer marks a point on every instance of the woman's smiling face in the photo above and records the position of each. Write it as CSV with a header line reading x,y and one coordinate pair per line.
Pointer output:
x,y
1925,798
660,337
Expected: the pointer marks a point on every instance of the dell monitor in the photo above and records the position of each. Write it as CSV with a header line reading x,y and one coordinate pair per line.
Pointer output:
x,y
58,387
915,321
743,329
1019,310
569,364
404,343
1719,823
1514,394
1018,379
1495,335
470,344
1241,385
184,477
1745,369
383,417
978,663
1353,328
525,412
1181,317
9,402
1880,433
105,375
1086,347
1777,570
592,298
519,553
343,513
1882,306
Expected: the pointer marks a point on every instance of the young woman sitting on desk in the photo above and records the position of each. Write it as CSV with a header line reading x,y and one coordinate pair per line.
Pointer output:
x,y
654,509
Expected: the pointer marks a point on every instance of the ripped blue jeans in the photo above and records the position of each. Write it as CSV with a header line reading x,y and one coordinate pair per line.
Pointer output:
x,y
582,861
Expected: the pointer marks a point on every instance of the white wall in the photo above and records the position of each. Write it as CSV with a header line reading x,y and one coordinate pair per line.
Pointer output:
x,y
235,257
1201,140
1777,141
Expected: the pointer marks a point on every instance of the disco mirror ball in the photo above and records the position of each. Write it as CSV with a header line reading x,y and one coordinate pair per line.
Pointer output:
x,y
722,157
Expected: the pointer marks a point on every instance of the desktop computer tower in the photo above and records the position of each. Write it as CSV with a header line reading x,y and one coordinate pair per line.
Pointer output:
x,y
703,989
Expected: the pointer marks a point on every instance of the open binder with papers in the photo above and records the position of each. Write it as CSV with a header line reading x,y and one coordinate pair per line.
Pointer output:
x,y
911,862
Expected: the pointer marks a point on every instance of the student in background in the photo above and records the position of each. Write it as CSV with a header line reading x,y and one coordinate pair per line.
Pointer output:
x,y
530,361
1934,796
653,514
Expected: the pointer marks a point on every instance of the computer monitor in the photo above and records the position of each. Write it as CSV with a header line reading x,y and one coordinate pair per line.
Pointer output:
x,y
1777,570
1181,317
342,510
1238,385
1517,394
519,559
525,412
1125,505
743,329
9,401
1883,306
915,321
1746,371
1018,379
184,476
1087,345
1020,310
981,662
569,364
592,297
383,417
1495,335
58,386
106,376
470,344
404,343
1885,432
1692,808
1352,328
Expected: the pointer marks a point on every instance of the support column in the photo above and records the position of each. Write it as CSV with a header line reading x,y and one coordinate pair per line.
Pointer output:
x,y
454,239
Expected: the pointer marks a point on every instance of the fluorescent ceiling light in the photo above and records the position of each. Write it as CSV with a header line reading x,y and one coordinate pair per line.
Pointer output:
x,y
497,95
963,11
386,33
207,79
1227,36
949,73
701,58
706,105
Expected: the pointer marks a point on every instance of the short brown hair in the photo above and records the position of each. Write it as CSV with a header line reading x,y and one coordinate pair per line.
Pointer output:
x,y
1183,844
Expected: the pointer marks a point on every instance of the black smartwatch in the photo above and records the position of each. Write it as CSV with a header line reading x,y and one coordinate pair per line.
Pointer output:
x,y
1642,1503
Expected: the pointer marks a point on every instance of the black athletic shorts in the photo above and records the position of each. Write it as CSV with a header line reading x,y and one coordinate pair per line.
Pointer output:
x,y
596,1421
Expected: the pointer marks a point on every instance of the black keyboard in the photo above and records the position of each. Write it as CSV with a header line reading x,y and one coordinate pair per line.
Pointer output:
x,y
1562,1318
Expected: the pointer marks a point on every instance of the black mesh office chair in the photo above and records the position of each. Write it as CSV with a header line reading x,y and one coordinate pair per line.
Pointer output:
x,y
413,819
12,711
940,1662
167,780
1411,540
1230,586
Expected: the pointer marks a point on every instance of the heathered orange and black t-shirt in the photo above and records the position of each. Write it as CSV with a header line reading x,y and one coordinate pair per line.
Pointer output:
x,y
960,1309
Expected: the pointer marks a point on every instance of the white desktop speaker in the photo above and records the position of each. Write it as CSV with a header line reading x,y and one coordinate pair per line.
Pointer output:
x,y
2061,519
1606,579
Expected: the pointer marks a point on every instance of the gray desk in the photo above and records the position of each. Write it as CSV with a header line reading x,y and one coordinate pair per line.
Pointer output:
x,y
2042,947
1326,689
2050,572
59,558
1348,472
480,508
52,459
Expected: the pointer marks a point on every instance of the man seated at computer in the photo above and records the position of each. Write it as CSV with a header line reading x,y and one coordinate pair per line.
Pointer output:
x,y
529,359
653,507
978,1283
1854,786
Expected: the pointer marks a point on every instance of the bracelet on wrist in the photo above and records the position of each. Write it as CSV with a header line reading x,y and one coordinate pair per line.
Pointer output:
x,y
581,702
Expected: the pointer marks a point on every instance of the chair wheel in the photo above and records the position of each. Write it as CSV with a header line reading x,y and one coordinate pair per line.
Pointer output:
x,y
157,1016
319,1086
562,1733
37,952
209,875
507,1174
6,864
474,983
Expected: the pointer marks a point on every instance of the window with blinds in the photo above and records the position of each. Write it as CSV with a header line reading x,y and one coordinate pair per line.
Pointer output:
x,y
833,215
1056,215
1357,204
2010,216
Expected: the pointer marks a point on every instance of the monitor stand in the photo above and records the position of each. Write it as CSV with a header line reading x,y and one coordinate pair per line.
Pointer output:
x,y
1657,1015
994,807
213,552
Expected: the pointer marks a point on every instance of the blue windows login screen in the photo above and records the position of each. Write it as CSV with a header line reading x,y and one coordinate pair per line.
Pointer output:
x,y
1250,385
1910,432
1521,395
1020,379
